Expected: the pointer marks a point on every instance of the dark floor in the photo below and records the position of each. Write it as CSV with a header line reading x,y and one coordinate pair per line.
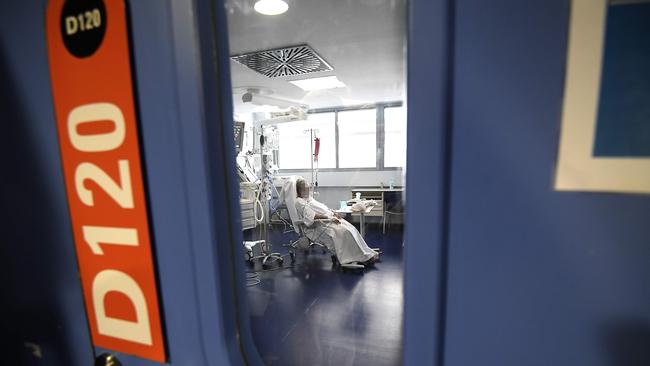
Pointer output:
x,y
313,314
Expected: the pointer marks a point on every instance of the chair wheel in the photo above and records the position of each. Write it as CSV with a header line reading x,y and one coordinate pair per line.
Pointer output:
x,y
324,251
265,266
281,261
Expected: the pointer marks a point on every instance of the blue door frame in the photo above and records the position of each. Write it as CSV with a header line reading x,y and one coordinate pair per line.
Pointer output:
x,y
182,85
430,64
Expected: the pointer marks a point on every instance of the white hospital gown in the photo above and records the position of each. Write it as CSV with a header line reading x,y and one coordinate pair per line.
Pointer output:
x,y
342,239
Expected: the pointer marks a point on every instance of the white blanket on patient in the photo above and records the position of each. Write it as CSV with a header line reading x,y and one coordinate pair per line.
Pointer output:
x,y
342,238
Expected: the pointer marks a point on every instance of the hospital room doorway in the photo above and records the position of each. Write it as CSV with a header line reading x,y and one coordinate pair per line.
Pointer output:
x,y
320,137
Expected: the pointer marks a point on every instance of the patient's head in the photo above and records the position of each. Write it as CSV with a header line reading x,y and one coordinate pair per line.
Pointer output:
x,y
302,189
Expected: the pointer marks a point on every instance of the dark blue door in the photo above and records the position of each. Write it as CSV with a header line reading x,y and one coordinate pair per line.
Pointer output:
x,y
536,276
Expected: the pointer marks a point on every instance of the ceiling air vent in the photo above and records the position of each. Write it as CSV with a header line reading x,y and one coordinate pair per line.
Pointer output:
x,y
286,61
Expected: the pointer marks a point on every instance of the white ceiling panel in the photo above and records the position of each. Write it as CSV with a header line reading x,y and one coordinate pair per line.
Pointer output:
x,y
363,40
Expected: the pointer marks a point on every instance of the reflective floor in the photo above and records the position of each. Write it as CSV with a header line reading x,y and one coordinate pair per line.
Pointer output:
x,y
313,314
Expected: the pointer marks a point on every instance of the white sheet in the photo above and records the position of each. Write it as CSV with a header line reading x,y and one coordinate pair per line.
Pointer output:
x,y
341,238
289,195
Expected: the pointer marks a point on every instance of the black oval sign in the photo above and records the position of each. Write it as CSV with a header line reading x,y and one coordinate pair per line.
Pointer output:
x,y
83,25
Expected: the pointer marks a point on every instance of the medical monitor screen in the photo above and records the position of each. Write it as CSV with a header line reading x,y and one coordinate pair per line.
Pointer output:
x,y
239,136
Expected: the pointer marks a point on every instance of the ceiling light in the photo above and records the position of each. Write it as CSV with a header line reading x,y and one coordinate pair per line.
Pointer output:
x,y
271,7
327,82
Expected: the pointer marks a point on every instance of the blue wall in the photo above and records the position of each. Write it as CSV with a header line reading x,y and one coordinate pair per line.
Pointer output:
x,y
41,301
536,277
426,171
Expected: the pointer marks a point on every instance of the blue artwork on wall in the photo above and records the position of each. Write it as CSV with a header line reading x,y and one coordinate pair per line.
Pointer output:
x,y
623,122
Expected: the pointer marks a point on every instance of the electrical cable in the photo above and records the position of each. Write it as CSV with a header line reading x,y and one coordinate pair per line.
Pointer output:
x,y
272,269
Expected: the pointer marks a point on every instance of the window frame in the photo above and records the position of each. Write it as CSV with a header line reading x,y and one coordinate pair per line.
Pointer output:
x,y
383,126
336,162
380,136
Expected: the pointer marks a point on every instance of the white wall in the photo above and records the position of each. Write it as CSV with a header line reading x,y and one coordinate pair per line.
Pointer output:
x,y
334,187
363,178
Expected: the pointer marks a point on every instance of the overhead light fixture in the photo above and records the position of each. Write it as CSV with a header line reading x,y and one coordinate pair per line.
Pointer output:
x,y
263,100
271,7
327,82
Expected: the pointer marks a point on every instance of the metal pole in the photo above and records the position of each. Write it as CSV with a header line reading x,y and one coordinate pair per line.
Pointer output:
x,y
311,146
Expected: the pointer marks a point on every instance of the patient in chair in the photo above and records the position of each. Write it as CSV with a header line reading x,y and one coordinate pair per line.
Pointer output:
x,y
338,235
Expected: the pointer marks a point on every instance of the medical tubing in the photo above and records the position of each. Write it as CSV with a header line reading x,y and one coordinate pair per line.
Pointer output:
x,y
278,200
252,279
258,203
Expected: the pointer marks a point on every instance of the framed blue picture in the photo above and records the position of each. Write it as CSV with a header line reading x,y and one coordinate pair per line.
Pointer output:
x,y
605,138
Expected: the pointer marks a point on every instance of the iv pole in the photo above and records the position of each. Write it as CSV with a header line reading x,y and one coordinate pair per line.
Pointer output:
x,y
314,175
311,159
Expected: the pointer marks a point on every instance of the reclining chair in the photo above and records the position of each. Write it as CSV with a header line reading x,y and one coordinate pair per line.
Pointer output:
x,y
304,242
